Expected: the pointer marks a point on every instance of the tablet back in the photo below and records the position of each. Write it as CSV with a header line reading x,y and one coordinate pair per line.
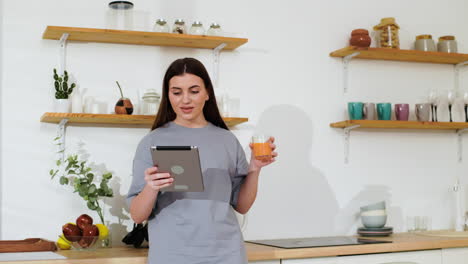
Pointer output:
x,y
183,163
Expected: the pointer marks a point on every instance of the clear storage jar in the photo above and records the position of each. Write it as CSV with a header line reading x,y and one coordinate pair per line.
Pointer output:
x,y
150,104
120,15
214,30
161,26
179,27
387,33
197,28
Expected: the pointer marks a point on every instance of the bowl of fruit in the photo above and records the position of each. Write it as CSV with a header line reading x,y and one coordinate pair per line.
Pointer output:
x,y
81,235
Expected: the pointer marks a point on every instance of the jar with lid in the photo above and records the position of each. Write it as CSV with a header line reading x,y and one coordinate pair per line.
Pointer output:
x,y
387,33
447,44
179,27
197,28
161,26
424,43
214,30
120,15
150,102
360,38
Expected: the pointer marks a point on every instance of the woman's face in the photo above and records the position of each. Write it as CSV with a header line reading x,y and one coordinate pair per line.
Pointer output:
x,y
187,95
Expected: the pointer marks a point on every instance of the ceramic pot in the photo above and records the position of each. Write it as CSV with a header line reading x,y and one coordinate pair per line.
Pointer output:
x,y
124,106
62,106
360,38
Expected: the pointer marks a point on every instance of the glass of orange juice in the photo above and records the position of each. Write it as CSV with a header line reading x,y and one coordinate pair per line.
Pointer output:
x,y
261,147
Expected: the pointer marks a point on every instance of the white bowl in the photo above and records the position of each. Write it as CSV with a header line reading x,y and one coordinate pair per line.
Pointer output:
x,y
374,213
374,221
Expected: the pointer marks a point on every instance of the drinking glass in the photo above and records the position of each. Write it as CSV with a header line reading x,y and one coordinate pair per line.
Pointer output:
x,y
451,96
465,104
433,99
261,147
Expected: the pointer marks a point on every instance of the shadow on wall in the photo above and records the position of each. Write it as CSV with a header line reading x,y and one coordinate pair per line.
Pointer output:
x,y
294,196
348,219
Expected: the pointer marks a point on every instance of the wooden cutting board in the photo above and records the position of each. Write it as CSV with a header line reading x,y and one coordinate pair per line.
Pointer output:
x,y
27,245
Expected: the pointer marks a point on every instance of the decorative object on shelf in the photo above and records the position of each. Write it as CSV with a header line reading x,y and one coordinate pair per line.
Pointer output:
x,y
214,30
197,28
179,27
425,43
433,99
124,105
120,15
360,38
447,44
387,33
422,112
451,96
150,104
76,102
62,92
161,26
384,111
465,104
402,112
368,111
355,110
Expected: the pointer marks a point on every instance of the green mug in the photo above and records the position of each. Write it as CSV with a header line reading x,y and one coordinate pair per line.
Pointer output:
x,y
384,111
355,110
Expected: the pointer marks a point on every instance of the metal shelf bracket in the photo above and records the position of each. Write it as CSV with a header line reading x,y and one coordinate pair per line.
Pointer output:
x,y
457,74
216,55
346,60
63,52
460,144
61,135
347,131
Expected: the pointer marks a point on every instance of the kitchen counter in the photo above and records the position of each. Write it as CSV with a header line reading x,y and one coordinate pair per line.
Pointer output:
x,y
401,242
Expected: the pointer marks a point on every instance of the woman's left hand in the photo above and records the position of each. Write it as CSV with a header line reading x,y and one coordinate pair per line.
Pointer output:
x,y
256,164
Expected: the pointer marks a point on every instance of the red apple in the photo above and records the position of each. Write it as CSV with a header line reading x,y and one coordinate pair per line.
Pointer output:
x,y
84,220
90,232
71,232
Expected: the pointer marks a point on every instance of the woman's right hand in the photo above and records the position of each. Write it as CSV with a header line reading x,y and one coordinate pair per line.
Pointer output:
x,y
157,180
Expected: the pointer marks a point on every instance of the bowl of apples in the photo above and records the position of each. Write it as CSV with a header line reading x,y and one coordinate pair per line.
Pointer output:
x,y
81,236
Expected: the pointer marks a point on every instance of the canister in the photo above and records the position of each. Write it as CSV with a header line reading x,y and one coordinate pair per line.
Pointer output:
x,y
424,43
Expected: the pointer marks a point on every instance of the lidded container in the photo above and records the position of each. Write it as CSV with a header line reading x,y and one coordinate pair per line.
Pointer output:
x,y
120,15
179,27
150,104
424,43
161,26
197,28
447,44
387,33
214,30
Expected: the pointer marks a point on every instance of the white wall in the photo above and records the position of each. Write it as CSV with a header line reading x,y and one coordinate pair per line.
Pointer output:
x,y
288,85
1,111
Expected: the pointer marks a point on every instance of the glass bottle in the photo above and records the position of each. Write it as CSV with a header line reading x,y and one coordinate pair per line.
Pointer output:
x,y
161,26
214,30
150,104
387,33
120,15
197,28
179,27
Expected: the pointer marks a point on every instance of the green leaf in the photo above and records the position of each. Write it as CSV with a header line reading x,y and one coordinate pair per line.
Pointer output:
x,y
58,162
92,199
92,189
51,172
57,86
90,177
63,180
110,193
101,192
107,176
91,205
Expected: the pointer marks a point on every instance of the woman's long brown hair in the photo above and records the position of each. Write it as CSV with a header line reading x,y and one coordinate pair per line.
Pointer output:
x,y
179,67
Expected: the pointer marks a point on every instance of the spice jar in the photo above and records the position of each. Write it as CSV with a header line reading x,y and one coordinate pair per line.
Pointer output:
x,y
387,33
424,43
197,28
179,27
214,30
150,102
360,38
447,44
161,26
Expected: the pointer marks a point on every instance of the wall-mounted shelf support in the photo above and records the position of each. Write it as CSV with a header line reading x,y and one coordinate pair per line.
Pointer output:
x,y
460,143
346,60
63,52
458,66
347,131
216,55
61,135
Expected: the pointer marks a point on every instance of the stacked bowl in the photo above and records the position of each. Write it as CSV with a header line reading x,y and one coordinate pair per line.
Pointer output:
x,y
374,218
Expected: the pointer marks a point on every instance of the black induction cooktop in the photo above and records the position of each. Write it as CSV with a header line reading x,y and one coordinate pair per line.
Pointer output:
x,y
316,242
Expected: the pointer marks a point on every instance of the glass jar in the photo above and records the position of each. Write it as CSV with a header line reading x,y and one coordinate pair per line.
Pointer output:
x,y
424,43
161,26
150,104
447,44
214,30
179,27
197,28
120,15
387,33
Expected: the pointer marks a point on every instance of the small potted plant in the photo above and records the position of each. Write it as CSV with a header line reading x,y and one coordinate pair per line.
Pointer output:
x,y
62,92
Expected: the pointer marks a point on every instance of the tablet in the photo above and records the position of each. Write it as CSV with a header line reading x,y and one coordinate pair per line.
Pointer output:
x,y
183,163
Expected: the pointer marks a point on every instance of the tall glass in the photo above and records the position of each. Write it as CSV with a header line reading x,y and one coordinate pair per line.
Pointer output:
x,y
261,147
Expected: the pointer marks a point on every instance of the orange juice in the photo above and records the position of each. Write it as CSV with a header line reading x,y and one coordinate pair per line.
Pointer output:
x,y
262,151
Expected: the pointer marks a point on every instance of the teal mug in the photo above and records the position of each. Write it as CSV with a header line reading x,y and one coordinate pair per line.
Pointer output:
x,y
355,110
384,111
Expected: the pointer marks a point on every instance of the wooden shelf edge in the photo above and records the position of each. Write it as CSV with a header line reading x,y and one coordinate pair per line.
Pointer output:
x,y
141,37
113,119
391,124
402,55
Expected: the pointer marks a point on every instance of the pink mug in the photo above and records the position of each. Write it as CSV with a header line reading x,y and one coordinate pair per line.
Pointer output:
x,y
402,112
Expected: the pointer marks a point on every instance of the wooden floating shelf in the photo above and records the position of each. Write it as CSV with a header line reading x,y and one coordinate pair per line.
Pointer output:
x,y
142,38
401,124
402,55
123,120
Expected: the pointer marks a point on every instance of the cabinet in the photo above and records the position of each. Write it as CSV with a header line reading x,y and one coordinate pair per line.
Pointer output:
x,y
455,255
413,257
266,262
325,260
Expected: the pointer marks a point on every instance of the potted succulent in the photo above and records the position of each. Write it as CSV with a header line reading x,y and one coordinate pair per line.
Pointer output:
x,y
62,92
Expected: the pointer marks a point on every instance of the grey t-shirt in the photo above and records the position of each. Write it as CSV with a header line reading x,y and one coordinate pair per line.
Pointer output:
x,y
195,227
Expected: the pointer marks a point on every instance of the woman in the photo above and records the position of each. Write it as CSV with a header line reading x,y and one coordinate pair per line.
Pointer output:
x,y
193,227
